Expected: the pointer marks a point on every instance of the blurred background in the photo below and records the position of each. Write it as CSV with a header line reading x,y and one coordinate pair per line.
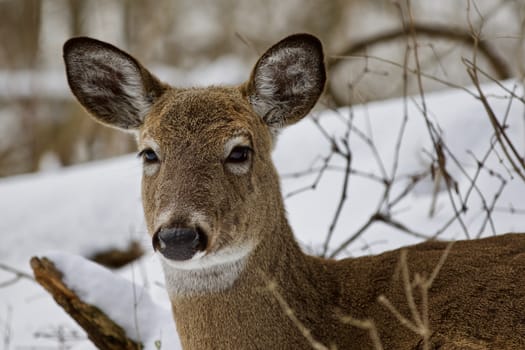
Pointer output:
x,y
186,41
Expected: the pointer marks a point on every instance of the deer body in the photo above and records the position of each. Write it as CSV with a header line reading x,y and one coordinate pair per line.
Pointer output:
x,y
467,309
214,209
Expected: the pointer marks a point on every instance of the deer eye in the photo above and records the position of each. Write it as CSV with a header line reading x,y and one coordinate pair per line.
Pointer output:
x,y
239,154
149,156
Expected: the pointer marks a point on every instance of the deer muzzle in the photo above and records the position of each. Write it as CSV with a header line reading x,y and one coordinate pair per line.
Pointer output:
x,y
179,243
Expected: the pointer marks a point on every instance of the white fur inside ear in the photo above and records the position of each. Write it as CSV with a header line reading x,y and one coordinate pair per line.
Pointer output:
x,y
128,78
286,84
290,63
265,79
109,83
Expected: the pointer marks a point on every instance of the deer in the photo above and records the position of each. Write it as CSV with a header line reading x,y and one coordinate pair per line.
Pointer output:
x,y
215,214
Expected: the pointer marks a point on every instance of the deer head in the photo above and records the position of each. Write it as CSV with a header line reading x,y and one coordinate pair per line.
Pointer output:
x,y
209,189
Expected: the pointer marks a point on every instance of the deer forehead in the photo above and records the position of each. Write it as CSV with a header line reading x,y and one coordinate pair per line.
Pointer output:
x,y
209,119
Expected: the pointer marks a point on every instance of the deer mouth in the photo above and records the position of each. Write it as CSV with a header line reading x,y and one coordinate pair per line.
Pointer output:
x,y
179,243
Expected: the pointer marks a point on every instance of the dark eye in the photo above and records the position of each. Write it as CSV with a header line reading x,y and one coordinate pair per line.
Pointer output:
x,y
239,154
149,156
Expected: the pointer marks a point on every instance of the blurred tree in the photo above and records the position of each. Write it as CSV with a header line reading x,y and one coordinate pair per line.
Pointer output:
x,y
77,9
191,33
19,33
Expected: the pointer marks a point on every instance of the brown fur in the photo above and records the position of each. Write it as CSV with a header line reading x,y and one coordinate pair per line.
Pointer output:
x,y
477,301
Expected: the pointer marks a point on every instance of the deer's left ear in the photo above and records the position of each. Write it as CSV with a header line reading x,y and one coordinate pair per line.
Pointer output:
x,y
287,80
113,86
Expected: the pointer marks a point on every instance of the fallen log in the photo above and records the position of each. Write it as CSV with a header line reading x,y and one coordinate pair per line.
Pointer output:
x,y
100,329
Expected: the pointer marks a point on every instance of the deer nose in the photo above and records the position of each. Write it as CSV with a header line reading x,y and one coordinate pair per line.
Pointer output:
x,y
179,243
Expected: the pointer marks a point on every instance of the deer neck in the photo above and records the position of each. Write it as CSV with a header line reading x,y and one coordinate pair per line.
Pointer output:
x,y
300,280
275,257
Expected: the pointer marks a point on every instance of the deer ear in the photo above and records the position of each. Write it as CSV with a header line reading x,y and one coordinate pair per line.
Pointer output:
x,y
109,83
287,80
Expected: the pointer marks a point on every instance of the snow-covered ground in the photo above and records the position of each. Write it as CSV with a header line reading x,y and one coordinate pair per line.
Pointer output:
x,y
81,209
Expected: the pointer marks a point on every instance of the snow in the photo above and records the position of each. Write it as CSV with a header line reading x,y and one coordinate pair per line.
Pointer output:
x,y
81,209
152,324
466,130
68,209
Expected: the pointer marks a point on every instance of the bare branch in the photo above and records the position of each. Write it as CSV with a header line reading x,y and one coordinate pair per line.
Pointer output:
x,y
433,31
316,345
18,275
367,325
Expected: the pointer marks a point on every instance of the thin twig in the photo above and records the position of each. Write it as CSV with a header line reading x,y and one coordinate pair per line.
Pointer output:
x,y
366,325
316,345
18,275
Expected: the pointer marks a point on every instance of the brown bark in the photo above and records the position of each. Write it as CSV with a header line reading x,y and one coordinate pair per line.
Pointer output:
x,y
100,329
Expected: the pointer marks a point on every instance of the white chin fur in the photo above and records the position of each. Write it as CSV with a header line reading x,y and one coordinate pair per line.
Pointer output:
x,y
205,273
201,260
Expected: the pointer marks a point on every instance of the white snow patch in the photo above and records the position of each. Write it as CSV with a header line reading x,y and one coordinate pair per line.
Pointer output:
x,y
126,303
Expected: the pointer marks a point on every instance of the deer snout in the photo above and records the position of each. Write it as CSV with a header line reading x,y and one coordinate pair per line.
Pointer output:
x,y
179,243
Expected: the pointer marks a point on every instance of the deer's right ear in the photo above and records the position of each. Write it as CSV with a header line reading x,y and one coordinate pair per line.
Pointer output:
x,y
109,83
287,80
